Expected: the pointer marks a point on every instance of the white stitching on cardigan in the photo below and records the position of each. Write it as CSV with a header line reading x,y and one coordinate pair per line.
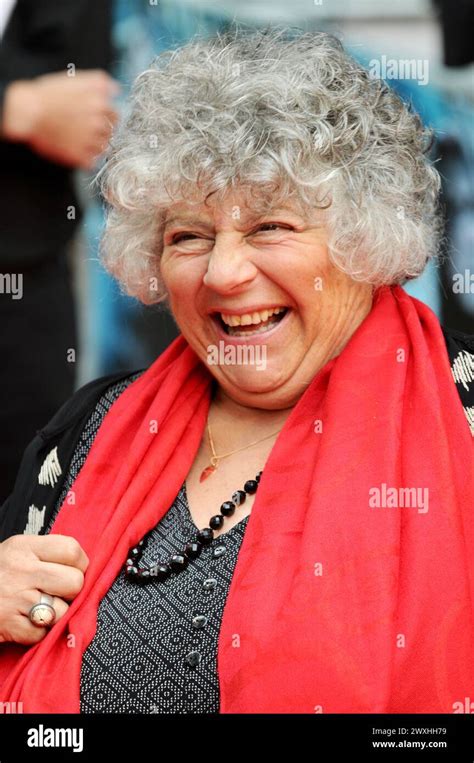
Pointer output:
x,y
470,417
35,520
463,368
50,469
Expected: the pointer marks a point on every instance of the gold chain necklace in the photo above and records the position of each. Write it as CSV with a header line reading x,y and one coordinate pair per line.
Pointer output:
x,y
214,461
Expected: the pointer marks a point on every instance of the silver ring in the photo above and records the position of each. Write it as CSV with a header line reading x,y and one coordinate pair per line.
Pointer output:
x,y
43,614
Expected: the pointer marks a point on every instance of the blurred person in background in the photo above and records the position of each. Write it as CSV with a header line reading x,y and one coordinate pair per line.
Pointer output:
x,y
55,117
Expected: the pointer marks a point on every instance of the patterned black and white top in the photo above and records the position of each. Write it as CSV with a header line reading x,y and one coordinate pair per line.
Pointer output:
x,y
155,647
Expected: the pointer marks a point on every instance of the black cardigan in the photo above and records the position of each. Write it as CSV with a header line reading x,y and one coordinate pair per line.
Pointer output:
x,y
64,430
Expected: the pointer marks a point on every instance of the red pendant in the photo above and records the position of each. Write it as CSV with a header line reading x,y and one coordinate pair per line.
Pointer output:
x,y
207,473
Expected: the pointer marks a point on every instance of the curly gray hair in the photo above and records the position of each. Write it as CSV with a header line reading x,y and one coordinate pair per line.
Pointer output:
x,y
284,115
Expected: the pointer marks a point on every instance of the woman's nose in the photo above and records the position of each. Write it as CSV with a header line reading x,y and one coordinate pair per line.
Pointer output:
x,y
229,264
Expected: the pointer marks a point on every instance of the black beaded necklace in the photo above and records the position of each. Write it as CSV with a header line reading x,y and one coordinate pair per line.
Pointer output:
x,y
179,561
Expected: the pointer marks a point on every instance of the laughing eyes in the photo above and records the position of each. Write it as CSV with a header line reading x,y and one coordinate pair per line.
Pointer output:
x,y
196,241
271,227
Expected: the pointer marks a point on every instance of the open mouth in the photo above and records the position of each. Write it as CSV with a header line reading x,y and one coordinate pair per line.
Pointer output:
x,y
251,323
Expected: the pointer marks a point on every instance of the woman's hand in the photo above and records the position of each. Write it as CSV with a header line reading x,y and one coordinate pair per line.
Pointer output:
x,y
29,566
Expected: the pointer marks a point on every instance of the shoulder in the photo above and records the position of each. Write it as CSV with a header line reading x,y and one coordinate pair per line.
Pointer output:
x,y
458,340
46,461
82,402
460,346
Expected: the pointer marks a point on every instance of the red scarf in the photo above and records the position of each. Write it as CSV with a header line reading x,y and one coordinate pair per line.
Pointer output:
x,y
336,605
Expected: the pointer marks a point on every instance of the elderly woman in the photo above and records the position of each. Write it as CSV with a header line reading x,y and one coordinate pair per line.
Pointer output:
x,y
276,516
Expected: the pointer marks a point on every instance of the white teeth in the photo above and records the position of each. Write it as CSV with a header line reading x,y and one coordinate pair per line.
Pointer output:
x,y
250,318
257,328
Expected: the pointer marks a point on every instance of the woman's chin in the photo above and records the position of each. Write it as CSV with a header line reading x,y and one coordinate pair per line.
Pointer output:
x,y
241,381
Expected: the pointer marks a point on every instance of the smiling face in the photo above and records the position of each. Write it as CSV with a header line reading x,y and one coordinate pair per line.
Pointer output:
x,y
261,287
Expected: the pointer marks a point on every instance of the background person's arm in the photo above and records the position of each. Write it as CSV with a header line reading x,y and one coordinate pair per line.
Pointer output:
x,y
65,119
48,103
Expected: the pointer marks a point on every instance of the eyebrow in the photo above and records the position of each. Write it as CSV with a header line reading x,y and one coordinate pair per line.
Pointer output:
x,y
179,220
245,221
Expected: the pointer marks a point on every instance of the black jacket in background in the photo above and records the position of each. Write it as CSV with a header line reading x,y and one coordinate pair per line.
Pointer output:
x,y
44,36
